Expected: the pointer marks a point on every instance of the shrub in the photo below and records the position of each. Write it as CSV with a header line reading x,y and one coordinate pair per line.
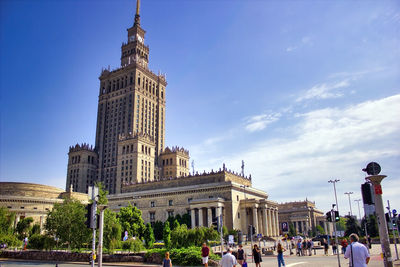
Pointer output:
x,y
114,244
134,245
37,241
10,239
183,256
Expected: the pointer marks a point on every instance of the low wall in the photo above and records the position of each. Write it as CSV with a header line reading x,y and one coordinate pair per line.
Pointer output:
x,y
68,256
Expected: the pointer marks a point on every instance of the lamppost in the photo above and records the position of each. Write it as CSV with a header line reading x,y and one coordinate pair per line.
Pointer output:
x,y
348,194
332,213
358,203
334,188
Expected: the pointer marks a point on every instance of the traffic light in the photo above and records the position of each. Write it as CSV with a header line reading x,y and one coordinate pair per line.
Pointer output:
x,y
366,191
337,217
387,217
88,215
328,216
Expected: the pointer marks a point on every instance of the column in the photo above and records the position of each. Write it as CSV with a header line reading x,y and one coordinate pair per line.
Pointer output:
x,y
269,223
273,223
209,217
200,217
193,217
260,222
255,220
325,228
264,222
277,222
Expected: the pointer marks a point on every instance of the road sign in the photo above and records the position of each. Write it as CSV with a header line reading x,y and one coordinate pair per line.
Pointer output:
x,y
378,189
259,235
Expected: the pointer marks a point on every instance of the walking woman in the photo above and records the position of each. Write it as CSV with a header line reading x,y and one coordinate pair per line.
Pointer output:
x,y
241,256
280,250
167,261
257,256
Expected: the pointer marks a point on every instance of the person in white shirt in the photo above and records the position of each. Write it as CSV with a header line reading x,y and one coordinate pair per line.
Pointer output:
x,y
357,253
228,260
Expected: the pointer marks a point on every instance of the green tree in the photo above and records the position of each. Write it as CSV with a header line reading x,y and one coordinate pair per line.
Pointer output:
x,y
103,200
320,230
6,221
23,227
112,229
372,226
35,229
179,237
131,220
67,222
186,219
158,230
341,224
292,230
167,235
175,224
352,226
149,236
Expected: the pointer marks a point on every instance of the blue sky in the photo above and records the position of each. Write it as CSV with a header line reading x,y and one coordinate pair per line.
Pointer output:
x,y
302,91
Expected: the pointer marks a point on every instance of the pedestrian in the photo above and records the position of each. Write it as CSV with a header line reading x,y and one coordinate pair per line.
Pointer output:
x,y
326,247
280,250
369,242
304,247
241,255
167,261
309,246
257,255
344,245
205,251
299,247
334,247
357,253
228,260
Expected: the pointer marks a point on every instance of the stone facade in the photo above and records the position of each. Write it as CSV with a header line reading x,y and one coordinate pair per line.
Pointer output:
x,y
204,197
303,215
174,162
33,200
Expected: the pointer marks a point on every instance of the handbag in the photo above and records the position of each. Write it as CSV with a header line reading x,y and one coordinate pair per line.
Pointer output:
x,y
244,264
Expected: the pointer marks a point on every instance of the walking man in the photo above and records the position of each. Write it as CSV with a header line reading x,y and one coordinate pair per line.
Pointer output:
x,y
357,253
228,260
204,254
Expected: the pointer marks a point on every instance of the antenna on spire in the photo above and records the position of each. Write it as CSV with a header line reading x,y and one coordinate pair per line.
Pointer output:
x,y
137,16
193,166
242,167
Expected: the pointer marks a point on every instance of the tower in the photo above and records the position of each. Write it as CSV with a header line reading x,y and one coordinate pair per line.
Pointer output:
x,y
131,102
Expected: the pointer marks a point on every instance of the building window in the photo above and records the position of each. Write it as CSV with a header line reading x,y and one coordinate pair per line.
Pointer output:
x,y
190,199
238,215
152,204
152,216
237,198
170,213
170,202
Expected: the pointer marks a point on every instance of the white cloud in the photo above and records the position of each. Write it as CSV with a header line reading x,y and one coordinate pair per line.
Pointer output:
x,y
324,91
260,122
323,144
291,48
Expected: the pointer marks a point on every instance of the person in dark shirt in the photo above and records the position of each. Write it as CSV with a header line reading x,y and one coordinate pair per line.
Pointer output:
x,y
280,250
241,255
257,256
205,251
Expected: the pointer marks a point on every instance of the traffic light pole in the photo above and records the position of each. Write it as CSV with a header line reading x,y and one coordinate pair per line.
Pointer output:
x,y
93,222
393,232
383,230
335,229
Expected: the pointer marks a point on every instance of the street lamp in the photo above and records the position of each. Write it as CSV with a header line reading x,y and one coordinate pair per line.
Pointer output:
x,y
348,194
332,211
358,203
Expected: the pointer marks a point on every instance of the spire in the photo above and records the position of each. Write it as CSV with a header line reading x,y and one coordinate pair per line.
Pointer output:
x,y
137,16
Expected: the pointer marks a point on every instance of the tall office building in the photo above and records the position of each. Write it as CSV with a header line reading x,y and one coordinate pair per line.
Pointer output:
x,y
130,133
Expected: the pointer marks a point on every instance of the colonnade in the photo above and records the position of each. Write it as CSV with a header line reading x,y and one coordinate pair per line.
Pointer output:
x,y
263,218
302,226
204,215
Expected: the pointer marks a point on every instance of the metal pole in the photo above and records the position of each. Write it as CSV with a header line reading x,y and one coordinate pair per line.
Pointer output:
x,y
358,203
348,194
394,235
383,230
100,261
94,232
245,213
221,232
336,239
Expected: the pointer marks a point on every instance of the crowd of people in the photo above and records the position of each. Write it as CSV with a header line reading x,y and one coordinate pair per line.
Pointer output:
x,y
356,252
